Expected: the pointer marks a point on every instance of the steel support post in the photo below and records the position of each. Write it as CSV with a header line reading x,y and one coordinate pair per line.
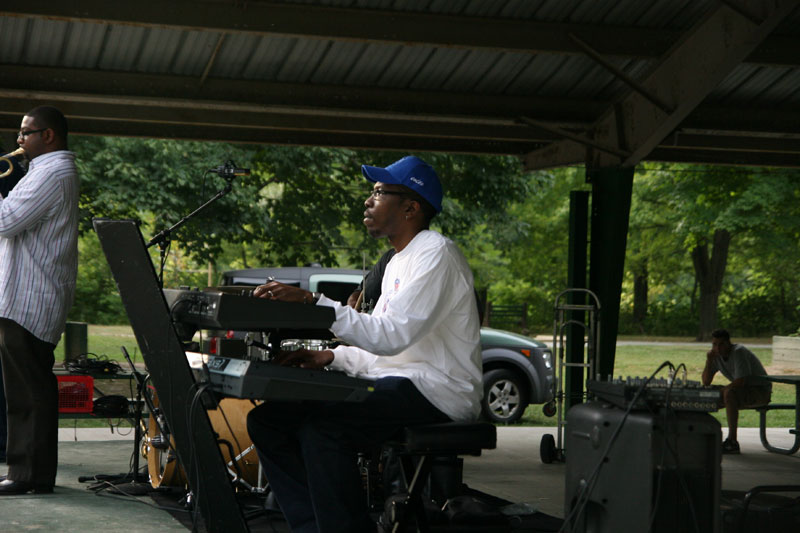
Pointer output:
x,y
576,279
611,202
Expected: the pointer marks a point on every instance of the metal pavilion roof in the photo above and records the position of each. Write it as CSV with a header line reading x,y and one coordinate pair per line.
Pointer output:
x,y
479,76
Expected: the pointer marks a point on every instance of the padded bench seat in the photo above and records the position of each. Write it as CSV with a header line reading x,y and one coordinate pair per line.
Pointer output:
x,y
450,438
417,449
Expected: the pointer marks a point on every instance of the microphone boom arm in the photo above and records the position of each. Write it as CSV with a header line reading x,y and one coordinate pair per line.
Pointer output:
x,y
162,238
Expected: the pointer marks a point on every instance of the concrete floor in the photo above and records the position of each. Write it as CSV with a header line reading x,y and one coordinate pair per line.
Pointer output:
x,y
73,508
513,471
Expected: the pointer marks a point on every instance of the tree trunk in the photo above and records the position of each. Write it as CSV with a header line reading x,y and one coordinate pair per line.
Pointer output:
x,y
709,272
640,287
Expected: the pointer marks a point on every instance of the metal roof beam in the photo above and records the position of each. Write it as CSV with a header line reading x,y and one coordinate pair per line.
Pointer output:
x,y
280,96
250,118
386,26
739,118
17,80
109,96
217,133
685,76
720,157
736,143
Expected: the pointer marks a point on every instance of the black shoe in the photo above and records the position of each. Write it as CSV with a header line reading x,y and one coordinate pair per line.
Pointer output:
x,y
15,487
730,447
9,487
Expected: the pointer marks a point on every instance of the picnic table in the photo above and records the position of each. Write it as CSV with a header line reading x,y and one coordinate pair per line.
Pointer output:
x,y
763,410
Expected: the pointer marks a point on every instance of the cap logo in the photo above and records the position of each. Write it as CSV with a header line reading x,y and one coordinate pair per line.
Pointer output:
x,y
417,181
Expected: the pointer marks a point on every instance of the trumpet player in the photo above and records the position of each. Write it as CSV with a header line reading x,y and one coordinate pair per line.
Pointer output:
x,y
38,267
11,174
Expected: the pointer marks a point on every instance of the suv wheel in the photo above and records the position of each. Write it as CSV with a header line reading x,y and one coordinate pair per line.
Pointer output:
x,y
504,396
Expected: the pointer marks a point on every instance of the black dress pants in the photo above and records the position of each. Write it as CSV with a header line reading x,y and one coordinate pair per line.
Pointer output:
x,y
3,426
31,404
308,451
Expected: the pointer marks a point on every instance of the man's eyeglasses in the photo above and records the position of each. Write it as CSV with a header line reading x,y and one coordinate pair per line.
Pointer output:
x,y
24,134
378,193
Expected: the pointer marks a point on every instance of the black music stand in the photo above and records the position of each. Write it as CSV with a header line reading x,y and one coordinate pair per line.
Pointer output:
x,y
195,444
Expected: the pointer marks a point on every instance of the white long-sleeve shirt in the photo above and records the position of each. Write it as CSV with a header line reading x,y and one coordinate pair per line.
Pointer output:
x,y
424,327
39,246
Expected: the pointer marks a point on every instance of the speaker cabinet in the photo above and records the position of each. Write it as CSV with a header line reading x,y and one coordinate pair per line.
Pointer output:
x,y
661,473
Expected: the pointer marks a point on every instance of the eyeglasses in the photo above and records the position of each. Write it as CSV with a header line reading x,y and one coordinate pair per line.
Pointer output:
x,y
24,134
378,193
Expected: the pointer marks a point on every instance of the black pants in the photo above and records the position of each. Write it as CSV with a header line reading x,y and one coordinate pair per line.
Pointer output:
x,y
308,451
31,404
3,425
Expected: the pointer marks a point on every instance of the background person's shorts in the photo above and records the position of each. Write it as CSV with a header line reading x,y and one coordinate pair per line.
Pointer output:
x,y
743,397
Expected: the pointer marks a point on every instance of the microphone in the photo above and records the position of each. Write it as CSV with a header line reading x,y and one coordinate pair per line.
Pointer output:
x,y
229,170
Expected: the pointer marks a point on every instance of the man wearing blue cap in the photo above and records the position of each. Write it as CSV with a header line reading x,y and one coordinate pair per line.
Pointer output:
x,y
420,344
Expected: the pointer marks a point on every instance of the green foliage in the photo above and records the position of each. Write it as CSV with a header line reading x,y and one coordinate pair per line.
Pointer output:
x,y
530,248
302,205
97,300
299,205
678,207
315,210
161,181
480,190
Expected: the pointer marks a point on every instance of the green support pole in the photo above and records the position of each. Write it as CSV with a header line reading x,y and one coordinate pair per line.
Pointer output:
x,y
576,279
611,203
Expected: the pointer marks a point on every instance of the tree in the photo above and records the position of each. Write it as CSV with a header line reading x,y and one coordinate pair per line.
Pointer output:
x,y
525,254
710,208
299,204
651,261
709,268
159,182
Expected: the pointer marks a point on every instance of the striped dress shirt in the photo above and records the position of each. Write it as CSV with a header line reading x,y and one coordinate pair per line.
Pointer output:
x,y
39,246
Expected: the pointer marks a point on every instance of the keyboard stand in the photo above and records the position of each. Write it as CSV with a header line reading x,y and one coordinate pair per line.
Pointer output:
x,y
196,446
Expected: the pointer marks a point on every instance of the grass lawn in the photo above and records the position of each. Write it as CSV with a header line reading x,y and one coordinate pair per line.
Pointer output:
x,y
105,341
631,360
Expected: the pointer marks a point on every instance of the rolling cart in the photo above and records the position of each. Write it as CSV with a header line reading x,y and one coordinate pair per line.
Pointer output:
x,y
551,448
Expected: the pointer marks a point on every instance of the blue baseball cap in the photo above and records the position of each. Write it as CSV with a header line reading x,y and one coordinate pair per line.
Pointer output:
x,y
411,172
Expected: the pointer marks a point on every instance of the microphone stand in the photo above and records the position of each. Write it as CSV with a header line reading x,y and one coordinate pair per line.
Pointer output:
x,y
162,238
133,483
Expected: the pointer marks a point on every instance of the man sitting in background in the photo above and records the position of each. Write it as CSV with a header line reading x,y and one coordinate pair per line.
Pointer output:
x,y
742,368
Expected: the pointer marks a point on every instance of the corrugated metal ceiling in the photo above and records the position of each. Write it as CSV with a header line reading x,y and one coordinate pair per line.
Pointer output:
x,y
41,42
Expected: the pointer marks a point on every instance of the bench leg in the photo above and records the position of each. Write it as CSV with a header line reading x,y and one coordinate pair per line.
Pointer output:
x,y
756,490
762,424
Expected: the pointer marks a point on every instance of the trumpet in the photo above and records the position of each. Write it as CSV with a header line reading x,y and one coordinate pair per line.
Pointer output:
x,y
7,159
